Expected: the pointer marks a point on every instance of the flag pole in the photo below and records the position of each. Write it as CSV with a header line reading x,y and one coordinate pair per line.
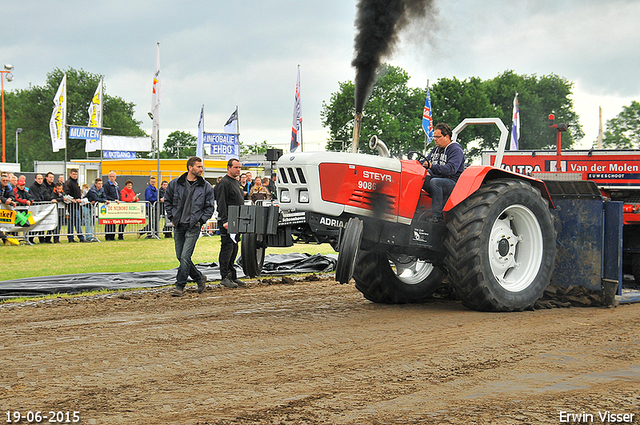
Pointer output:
x,y
101,122
300,95
64,125
156,110
238,131
599,141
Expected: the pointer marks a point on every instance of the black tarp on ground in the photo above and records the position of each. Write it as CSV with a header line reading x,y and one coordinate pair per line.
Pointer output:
x,y
75,283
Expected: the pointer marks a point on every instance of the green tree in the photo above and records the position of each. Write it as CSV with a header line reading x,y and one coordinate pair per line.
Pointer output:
x,y
179,144
256,149
30,109
623,131
537,98
453,100
393,113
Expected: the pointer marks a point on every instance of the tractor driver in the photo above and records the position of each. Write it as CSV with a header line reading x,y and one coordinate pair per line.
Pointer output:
x,y
444,165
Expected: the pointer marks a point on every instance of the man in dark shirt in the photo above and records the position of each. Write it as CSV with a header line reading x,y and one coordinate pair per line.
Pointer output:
x,y
48,196
40,193
445,163
228,192
74,195
167,224
38,189
272,187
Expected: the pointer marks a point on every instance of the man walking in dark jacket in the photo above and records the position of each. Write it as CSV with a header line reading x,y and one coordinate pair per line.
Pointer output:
x,y
228,192
188,204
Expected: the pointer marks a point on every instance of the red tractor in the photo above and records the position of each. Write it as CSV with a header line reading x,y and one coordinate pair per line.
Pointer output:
x,y
497,244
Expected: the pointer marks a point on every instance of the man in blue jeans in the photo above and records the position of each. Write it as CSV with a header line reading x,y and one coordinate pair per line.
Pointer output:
x,y
445,163
188,204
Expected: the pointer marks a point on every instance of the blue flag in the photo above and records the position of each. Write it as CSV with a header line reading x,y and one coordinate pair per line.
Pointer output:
x,y
427,118
515,126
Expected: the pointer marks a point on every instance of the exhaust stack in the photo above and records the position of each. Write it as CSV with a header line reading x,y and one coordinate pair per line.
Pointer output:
x,y
375,143
356,131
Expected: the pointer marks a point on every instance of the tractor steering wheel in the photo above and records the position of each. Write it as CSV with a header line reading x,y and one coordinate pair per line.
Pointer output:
x,y
411,155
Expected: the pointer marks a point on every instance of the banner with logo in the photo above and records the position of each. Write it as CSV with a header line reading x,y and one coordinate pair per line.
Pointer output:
x,y
119,155
58,121
33,218
222,144
122,213
95,118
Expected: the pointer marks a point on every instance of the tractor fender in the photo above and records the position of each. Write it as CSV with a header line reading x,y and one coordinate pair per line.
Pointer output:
x,y
476,175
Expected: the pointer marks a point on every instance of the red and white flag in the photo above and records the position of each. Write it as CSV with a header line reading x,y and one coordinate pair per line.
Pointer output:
x,y
155,98
296,129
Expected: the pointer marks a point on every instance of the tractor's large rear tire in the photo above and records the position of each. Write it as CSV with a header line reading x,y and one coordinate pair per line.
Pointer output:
x,y
501,247
409,280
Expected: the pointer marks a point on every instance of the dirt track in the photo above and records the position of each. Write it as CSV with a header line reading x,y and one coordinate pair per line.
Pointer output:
x,y
314,352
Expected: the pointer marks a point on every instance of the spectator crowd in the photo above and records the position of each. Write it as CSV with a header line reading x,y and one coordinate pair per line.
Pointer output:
x,y
75,204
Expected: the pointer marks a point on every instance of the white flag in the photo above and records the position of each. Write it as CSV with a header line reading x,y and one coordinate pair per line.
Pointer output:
x,y
155,98
231,126
58,122
95,118
200,140
515,126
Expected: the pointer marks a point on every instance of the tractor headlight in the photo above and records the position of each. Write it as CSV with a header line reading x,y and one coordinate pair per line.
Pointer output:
x,y
303,197
285,197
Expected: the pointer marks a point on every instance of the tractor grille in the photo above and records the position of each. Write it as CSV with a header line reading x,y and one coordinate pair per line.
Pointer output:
x,y
292,175
382,202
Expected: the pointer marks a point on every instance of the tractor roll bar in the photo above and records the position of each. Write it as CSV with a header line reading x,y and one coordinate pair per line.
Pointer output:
x,y
503,134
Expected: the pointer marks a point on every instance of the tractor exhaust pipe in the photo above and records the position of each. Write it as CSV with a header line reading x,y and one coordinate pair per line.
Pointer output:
x,y
375,143
356,132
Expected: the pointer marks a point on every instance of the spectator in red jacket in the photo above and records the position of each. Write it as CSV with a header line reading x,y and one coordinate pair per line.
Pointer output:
x,y
21,195
126,195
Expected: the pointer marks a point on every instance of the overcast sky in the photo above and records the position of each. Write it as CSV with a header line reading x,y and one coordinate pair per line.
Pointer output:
x,y
222,54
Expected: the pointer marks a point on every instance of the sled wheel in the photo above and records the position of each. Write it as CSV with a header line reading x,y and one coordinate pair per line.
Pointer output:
x,y
501,247
349,247
252,251
395,279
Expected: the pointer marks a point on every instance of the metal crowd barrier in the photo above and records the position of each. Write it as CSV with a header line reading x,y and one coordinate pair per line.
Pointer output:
x,y
77,221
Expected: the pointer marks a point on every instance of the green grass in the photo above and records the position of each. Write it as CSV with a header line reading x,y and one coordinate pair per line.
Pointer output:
x,y
130,255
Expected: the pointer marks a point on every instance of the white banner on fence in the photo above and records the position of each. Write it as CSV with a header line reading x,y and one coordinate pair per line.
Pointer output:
x,y
126,143
31,219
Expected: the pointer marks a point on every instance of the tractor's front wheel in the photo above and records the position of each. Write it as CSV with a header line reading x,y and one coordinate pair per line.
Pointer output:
x,y
501,247
395,279
252,248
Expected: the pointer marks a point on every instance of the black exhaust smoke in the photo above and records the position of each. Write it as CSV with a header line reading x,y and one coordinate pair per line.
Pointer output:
x,y
378,23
